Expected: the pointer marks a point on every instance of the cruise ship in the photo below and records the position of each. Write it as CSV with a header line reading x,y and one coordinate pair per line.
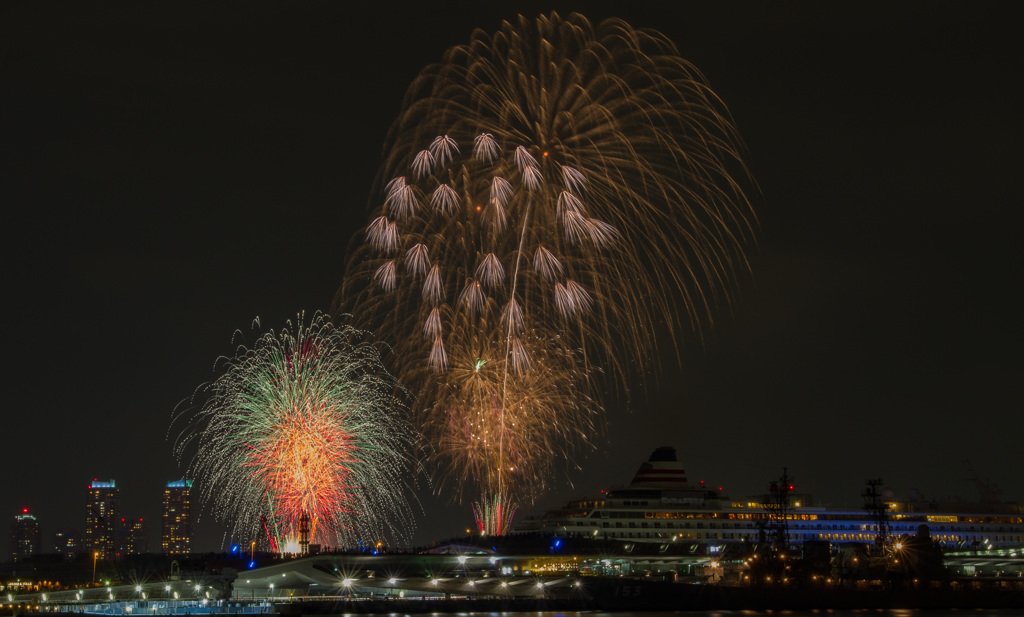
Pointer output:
x,y
659,505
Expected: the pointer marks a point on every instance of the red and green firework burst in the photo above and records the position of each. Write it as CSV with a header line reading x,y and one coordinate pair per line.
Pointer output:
x,y
303,425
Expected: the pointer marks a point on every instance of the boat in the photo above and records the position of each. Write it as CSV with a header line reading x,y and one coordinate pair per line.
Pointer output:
x,y
660,506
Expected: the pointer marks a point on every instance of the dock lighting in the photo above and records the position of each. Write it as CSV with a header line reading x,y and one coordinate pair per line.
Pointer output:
x,y
138,588
462,559
392,580
540,585
434,582
198,587
504,584
346,583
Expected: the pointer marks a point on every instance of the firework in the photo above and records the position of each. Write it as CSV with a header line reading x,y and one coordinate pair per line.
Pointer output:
x,y
494,516
303,431
552,196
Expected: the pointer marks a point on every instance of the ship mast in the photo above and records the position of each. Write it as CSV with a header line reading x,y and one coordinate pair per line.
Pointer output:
x,y
879,511
778,508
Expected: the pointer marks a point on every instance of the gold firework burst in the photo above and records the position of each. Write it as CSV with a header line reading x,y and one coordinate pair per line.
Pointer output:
x,y
551,193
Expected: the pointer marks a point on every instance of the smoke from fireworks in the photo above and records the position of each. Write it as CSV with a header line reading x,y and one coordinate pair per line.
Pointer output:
x,y
303,429
551,195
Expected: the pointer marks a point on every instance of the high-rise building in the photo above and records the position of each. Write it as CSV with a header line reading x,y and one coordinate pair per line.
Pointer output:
x,y
102,519
24,536
131,537
176,526
67,542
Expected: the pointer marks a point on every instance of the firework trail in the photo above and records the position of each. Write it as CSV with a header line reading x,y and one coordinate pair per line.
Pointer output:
x,y
305,424
494,516
551,195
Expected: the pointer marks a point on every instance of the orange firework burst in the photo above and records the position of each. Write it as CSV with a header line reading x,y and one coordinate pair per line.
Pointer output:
x,y
307,459
552,195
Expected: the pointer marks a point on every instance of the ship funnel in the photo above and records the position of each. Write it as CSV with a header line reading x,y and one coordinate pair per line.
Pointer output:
x,y
662,471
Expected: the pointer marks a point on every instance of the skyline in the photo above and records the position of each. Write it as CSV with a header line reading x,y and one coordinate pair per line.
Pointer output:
x,y
177,172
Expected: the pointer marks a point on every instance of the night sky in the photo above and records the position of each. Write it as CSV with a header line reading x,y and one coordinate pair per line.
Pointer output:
x,y
173,170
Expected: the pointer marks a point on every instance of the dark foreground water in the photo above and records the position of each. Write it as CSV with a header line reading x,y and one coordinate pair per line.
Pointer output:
x,y
738,613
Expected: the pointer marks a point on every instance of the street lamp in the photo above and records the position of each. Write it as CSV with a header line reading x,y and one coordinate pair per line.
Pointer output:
x,y
271,590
